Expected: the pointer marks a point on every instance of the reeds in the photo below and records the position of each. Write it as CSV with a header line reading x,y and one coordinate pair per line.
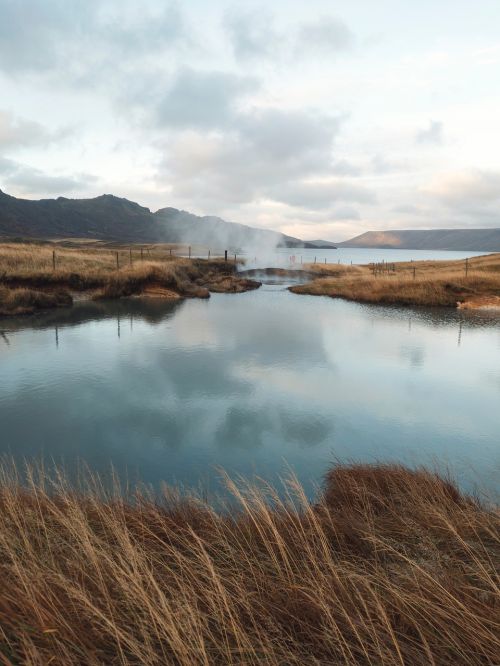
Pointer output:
x,y
390,566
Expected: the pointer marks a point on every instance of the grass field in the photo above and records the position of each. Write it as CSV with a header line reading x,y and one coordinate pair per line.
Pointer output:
x,y
390,566
41,275
475,283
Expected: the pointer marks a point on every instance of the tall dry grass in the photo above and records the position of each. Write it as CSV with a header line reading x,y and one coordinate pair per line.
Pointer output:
x,y
109,272
389,567
429,283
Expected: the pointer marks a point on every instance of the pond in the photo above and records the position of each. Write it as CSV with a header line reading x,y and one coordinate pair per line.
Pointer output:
x,y
261,383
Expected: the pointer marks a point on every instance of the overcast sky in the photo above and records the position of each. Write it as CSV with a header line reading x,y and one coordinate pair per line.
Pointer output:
x,y
321,119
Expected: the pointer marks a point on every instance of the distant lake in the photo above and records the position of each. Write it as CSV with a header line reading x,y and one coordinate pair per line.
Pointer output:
x,y
345,255
258,383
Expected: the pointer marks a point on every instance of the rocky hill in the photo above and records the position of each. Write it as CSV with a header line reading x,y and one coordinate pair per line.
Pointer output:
x,y
115,219
478,240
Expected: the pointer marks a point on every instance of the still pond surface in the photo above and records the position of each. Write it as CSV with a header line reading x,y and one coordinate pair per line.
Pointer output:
x,y
257,383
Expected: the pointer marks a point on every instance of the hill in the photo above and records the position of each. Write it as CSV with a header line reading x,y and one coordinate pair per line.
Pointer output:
x,y
479,240
116,219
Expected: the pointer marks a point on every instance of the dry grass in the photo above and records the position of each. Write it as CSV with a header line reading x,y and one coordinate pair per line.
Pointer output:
x,y
106,272
27,301
427,283
389,567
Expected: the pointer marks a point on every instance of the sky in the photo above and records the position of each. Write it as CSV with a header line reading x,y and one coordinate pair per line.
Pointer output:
x,y
319,119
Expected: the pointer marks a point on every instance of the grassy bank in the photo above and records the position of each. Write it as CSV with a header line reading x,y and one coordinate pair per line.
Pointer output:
x,y
388,567
429,283
41,275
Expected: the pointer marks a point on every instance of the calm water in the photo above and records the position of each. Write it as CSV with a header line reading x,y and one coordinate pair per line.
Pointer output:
x,y
254,383
346,255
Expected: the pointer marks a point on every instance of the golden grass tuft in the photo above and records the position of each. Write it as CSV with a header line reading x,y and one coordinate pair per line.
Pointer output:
x,y
390,566
27,301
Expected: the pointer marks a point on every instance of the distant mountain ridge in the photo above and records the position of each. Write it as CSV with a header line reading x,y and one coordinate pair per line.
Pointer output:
x,y
475,240
112,218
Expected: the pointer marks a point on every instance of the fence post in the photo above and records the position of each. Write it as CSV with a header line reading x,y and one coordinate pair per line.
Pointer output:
x,y
234,258
130,253
414,272
54,259
189,251
466,266
225,255
314,259
117,262
209,255
141,254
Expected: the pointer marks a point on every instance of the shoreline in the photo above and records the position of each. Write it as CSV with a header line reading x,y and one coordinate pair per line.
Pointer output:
x,y
467,284
37,278
34,278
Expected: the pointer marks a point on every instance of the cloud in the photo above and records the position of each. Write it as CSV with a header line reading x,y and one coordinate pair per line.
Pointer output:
x,y
265,148
29,180
17,132
82,37
33,32
432,134
383,165
251,33
469,198
467,188
322,194
328,35
202,99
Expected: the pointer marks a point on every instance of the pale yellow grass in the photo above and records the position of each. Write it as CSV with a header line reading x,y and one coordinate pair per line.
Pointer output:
x,y
388,567
428,283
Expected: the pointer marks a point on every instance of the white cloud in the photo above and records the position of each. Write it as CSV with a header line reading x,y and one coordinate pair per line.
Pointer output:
x,y
251,33
264,149
324,36
18,132
202,99
467,188
28,180
433,134
314,195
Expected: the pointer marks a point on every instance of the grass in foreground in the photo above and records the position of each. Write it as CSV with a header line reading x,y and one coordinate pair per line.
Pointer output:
x,y
389,567
429,283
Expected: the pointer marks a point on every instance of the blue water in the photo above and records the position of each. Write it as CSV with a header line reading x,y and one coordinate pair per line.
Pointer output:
x,y
346,255
257,383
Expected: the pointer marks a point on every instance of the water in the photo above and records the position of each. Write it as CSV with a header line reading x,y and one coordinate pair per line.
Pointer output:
x,y
346,255
256,383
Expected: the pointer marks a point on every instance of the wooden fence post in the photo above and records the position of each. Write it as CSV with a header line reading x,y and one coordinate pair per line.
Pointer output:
x,y
189,251
466,266
130,253
117,261
54,259
225,255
